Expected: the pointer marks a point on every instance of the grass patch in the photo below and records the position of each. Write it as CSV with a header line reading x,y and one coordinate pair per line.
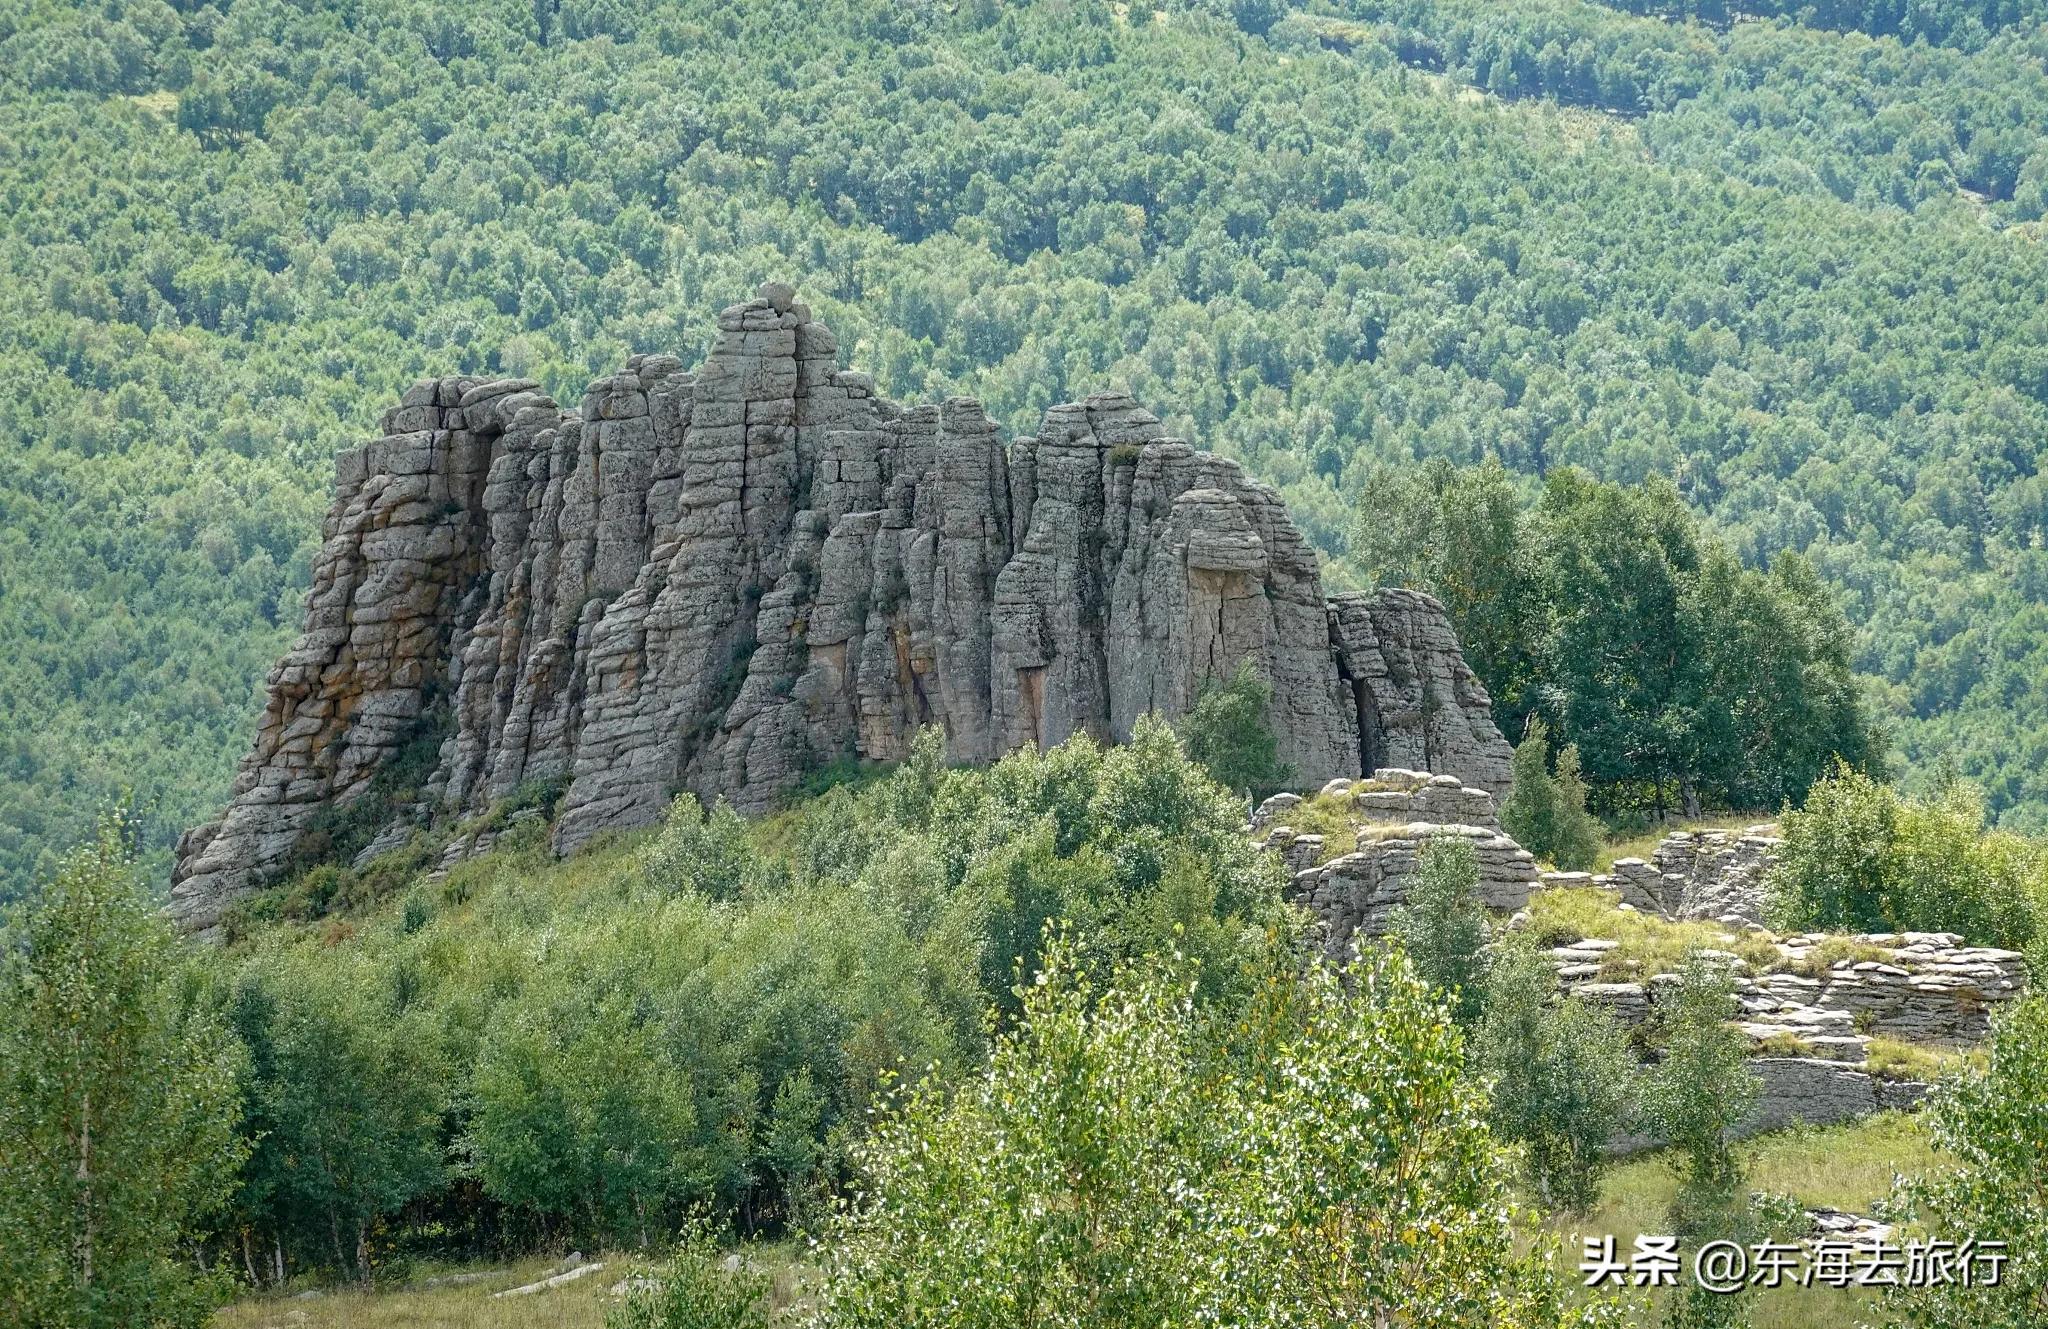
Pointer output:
x,y
1831,951
1646,944
1784,1043
1847,1167
1331,816
470,1305
1896,1059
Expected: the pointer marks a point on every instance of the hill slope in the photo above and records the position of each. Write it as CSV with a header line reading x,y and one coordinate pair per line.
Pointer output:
x,y
234,230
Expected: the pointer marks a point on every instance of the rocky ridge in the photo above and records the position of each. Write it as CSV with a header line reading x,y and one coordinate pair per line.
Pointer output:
x,y
1811,1005
1715,875
1928,989
715,579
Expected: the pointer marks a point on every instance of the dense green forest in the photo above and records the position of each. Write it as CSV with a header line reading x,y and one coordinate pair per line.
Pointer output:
x,y
1788,258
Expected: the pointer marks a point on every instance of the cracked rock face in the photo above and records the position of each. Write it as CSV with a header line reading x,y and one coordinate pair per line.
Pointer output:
x,y
1394,814
716,579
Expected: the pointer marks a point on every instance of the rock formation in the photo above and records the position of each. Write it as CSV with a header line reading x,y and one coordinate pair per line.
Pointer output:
x,y
1717,876
1390,817
1929,989
716,579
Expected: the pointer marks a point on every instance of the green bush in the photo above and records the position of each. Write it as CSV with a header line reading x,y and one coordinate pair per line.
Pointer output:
x,y
1992,1126
1442,925
1547,813
1125,1159
117,1105
581,1050
1861,857
697,1289
1562,1075
1227,732
1695,1093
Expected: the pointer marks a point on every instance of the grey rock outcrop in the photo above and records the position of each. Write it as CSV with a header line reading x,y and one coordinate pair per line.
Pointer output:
x,y
1391,815
1806,1090
1713,875
1928,989
714,579
1925,988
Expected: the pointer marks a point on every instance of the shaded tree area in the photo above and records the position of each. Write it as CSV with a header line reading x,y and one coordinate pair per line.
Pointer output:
x,y
1611,616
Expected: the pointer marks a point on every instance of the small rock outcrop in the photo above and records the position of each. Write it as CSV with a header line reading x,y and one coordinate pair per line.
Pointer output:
x,y
1717,876
715,579
1388,818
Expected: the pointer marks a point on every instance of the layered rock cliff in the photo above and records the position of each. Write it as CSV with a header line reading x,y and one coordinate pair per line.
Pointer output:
x,y
716,579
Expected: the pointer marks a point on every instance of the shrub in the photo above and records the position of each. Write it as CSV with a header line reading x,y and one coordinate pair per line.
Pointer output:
x,y
117,1104
710,853
1442,926
1561,1075
1547,813
697,1289
1993,1124
343,1107
1125,1159
1860,858
1700,1087
1228,733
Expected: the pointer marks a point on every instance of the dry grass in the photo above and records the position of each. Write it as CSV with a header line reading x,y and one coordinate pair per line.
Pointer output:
x,y
1647,944
1831,951
1842,1167
470,1306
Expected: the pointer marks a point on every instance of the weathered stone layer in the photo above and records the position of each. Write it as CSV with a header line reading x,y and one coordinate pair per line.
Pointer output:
x,y
716,579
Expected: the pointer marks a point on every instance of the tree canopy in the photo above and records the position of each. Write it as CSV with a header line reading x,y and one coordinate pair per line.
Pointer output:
x,y
1789,263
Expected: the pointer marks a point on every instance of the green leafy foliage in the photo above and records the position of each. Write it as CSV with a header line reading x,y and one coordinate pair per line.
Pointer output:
x,y
1442,925
1994,1126
1610,614
1699,1088
1862,857
1125,1159
1562,1075
700,1288
342,1110
1546,812
117,1104
697,1019
1228,733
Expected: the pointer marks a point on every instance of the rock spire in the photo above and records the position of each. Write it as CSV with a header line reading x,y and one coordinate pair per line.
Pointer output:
x,y
715,579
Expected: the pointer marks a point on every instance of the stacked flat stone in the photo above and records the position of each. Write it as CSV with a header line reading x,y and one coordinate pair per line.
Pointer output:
x,y
1717,876
1931,989
1395,813
715,579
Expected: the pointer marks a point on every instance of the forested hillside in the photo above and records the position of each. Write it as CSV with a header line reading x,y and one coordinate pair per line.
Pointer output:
x,y
1784,257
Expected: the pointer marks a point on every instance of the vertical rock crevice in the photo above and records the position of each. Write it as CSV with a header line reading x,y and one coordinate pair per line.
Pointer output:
x,y
714,580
